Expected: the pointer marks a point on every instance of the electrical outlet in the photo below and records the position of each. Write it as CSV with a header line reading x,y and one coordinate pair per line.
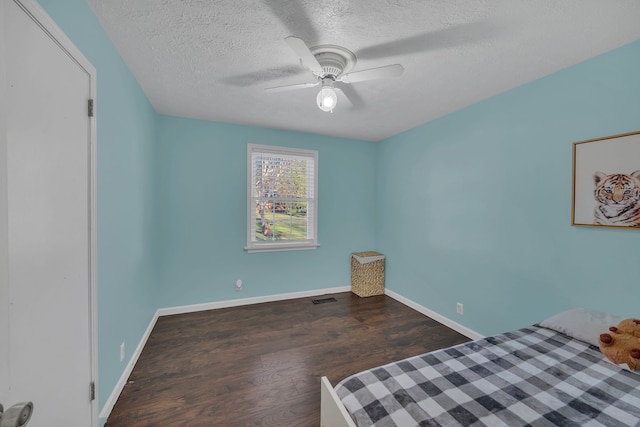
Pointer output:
x,y
238,285
122,351
460,308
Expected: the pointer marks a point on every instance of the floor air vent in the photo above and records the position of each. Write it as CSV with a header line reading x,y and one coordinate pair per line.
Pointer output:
x,y
323,300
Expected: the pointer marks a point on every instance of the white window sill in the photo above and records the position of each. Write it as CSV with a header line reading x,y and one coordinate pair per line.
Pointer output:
x,y
281,247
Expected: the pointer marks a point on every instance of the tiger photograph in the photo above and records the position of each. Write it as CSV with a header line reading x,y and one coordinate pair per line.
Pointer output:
x,y
606,182
618,199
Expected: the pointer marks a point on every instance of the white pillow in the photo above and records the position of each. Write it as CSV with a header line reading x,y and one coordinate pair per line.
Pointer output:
x,y
582,323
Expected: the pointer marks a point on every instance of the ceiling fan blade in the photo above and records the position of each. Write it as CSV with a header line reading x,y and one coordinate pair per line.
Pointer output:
x,y
348,91
293,16
302,50
456,35
291,87
373,74
263,76
343,96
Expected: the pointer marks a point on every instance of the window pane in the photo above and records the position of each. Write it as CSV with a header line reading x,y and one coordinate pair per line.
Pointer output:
x,y
282,190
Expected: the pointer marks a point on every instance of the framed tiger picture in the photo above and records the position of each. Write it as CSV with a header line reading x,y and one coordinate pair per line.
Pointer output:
x,y
606,182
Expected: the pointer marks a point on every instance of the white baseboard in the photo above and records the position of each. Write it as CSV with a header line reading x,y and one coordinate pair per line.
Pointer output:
x,y
435,316
113,398
248,301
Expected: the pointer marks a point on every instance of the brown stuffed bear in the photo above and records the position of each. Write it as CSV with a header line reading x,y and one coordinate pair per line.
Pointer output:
x,y
622,343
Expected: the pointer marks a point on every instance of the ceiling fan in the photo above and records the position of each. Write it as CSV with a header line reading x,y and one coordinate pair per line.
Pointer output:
x,y
332,64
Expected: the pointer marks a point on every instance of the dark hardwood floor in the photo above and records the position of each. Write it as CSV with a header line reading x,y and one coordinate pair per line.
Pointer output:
x,y
260,365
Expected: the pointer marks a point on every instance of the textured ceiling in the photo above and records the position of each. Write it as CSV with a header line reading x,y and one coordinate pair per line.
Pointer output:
x,y
212,59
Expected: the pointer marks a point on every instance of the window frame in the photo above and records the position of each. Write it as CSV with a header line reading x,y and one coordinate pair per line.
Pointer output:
x,y
254,245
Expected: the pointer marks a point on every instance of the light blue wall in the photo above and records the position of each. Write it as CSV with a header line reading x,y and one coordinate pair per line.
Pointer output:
x,y
125,137
475,207
201,212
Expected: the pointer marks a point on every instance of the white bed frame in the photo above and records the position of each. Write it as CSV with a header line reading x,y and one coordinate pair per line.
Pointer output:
x,y
332,411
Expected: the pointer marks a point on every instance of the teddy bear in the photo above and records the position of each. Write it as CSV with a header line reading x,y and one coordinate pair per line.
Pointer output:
x,y
622,343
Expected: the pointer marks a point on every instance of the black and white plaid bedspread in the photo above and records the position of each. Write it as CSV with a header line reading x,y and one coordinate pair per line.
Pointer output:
x,y
529,377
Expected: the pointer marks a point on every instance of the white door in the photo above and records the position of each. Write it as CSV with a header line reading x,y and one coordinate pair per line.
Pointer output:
x,y
48,159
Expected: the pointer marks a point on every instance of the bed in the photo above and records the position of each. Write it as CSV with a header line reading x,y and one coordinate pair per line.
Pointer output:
x,y
548,374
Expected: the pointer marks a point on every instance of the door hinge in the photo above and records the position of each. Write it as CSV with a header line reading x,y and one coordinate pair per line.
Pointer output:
x,y
90,107
92,391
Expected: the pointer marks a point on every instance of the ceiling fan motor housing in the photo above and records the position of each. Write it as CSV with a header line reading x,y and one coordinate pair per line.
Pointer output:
x,y
334,60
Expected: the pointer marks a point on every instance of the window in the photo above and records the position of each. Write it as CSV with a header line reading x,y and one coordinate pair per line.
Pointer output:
x,y
281,198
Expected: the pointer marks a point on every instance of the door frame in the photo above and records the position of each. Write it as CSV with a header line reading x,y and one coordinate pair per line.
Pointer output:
x,y
48,25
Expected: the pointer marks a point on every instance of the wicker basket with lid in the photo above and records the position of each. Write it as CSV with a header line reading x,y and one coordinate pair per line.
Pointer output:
x,y
367,273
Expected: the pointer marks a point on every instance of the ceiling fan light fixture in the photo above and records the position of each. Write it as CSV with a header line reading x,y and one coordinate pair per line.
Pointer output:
x,y
329,64
327,98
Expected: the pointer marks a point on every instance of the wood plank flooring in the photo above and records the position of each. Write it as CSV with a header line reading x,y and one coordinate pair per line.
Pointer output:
x,y
260,365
